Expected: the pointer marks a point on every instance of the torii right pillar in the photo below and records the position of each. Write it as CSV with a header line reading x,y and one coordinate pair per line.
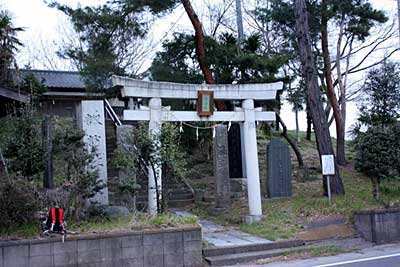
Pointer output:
x,y
251,162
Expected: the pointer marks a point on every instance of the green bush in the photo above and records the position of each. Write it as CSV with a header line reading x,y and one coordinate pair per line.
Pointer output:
x,y
378,153
17,202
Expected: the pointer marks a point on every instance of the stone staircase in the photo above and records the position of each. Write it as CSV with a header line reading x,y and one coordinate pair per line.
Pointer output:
x,y
176,192
225,256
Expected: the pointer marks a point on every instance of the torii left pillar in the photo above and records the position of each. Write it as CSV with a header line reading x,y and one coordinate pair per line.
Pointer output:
x,y
154,171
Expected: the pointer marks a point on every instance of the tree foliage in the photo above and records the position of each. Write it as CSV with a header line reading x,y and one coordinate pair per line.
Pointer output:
x,y
249,65
21,142
9,45
378,149
107,36
380,98
378,153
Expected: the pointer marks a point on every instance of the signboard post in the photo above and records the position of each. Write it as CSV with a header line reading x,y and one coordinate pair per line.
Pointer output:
x,y
328,168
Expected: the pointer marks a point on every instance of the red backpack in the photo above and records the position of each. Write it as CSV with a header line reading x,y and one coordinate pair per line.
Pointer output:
x,y
55,220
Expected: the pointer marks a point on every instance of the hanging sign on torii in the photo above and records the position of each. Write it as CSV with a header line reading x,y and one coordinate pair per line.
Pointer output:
x,y
155,113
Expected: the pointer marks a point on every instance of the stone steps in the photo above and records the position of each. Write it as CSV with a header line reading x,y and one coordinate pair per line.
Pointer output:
x,y
224,256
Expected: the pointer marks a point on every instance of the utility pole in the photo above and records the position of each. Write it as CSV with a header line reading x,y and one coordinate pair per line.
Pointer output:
x,y
239,20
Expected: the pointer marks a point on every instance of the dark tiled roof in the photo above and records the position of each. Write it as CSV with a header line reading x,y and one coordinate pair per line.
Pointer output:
x,y
57,79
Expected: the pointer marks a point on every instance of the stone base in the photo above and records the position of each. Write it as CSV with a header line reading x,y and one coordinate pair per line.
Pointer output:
x,y
216,211
249,219
238,187
199,195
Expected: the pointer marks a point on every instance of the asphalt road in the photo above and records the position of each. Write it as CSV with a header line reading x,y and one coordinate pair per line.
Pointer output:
x,y
392,260
377,256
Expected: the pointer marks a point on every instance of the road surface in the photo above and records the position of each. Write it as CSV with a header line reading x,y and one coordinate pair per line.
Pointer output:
x,y
377,256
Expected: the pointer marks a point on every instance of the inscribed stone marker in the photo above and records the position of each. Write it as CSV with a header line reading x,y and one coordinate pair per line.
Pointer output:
x,y
279,178
93,124
221,168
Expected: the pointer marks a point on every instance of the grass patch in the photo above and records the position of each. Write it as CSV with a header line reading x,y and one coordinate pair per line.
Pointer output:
x,y
305,253
29,230
320,251
277,225
135,221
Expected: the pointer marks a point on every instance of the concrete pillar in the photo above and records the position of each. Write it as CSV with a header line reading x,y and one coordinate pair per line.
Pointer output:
x,y
155,181
251,162
93,124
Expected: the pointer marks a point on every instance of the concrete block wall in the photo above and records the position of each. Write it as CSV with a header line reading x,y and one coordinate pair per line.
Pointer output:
x,y
378,226
170,247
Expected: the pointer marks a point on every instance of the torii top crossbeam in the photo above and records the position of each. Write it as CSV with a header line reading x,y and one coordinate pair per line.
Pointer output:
x,y
150,89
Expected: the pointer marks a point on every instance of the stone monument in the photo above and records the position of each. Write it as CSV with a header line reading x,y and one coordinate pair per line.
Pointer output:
x,y
279,174
221,169
93,124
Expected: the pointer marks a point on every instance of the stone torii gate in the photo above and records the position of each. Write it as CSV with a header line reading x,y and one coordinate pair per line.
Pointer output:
x,y
155,113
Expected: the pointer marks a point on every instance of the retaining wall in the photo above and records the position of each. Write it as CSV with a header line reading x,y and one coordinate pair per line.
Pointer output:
x,y
378,226
171,247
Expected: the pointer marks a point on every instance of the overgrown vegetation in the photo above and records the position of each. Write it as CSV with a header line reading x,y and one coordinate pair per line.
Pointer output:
x,y
22,192
138,150
287,217
378,147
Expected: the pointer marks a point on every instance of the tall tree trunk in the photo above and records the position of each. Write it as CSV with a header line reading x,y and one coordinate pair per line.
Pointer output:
x,y
309,122
310,76
200,47
340,130
296,112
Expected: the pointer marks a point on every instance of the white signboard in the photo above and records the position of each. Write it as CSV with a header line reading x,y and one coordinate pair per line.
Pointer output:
x,y
328,165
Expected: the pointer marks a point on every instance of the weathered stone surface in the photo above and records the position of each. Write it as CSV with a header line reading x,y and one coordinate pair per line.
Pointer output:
x,y
154,261
138,262
41,249
192,246
173,259
89,256
378,226
171,247
1,257
131,240
66,258
93,124
16,256
193,259
190,235
153,239
132,252
238,187
279,180
174,237
41,261
67,246
88,244
221,168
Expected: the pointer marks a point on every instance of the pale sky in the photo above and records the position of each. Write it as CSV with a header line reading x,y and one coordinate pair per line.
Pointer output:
x,y
44,29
